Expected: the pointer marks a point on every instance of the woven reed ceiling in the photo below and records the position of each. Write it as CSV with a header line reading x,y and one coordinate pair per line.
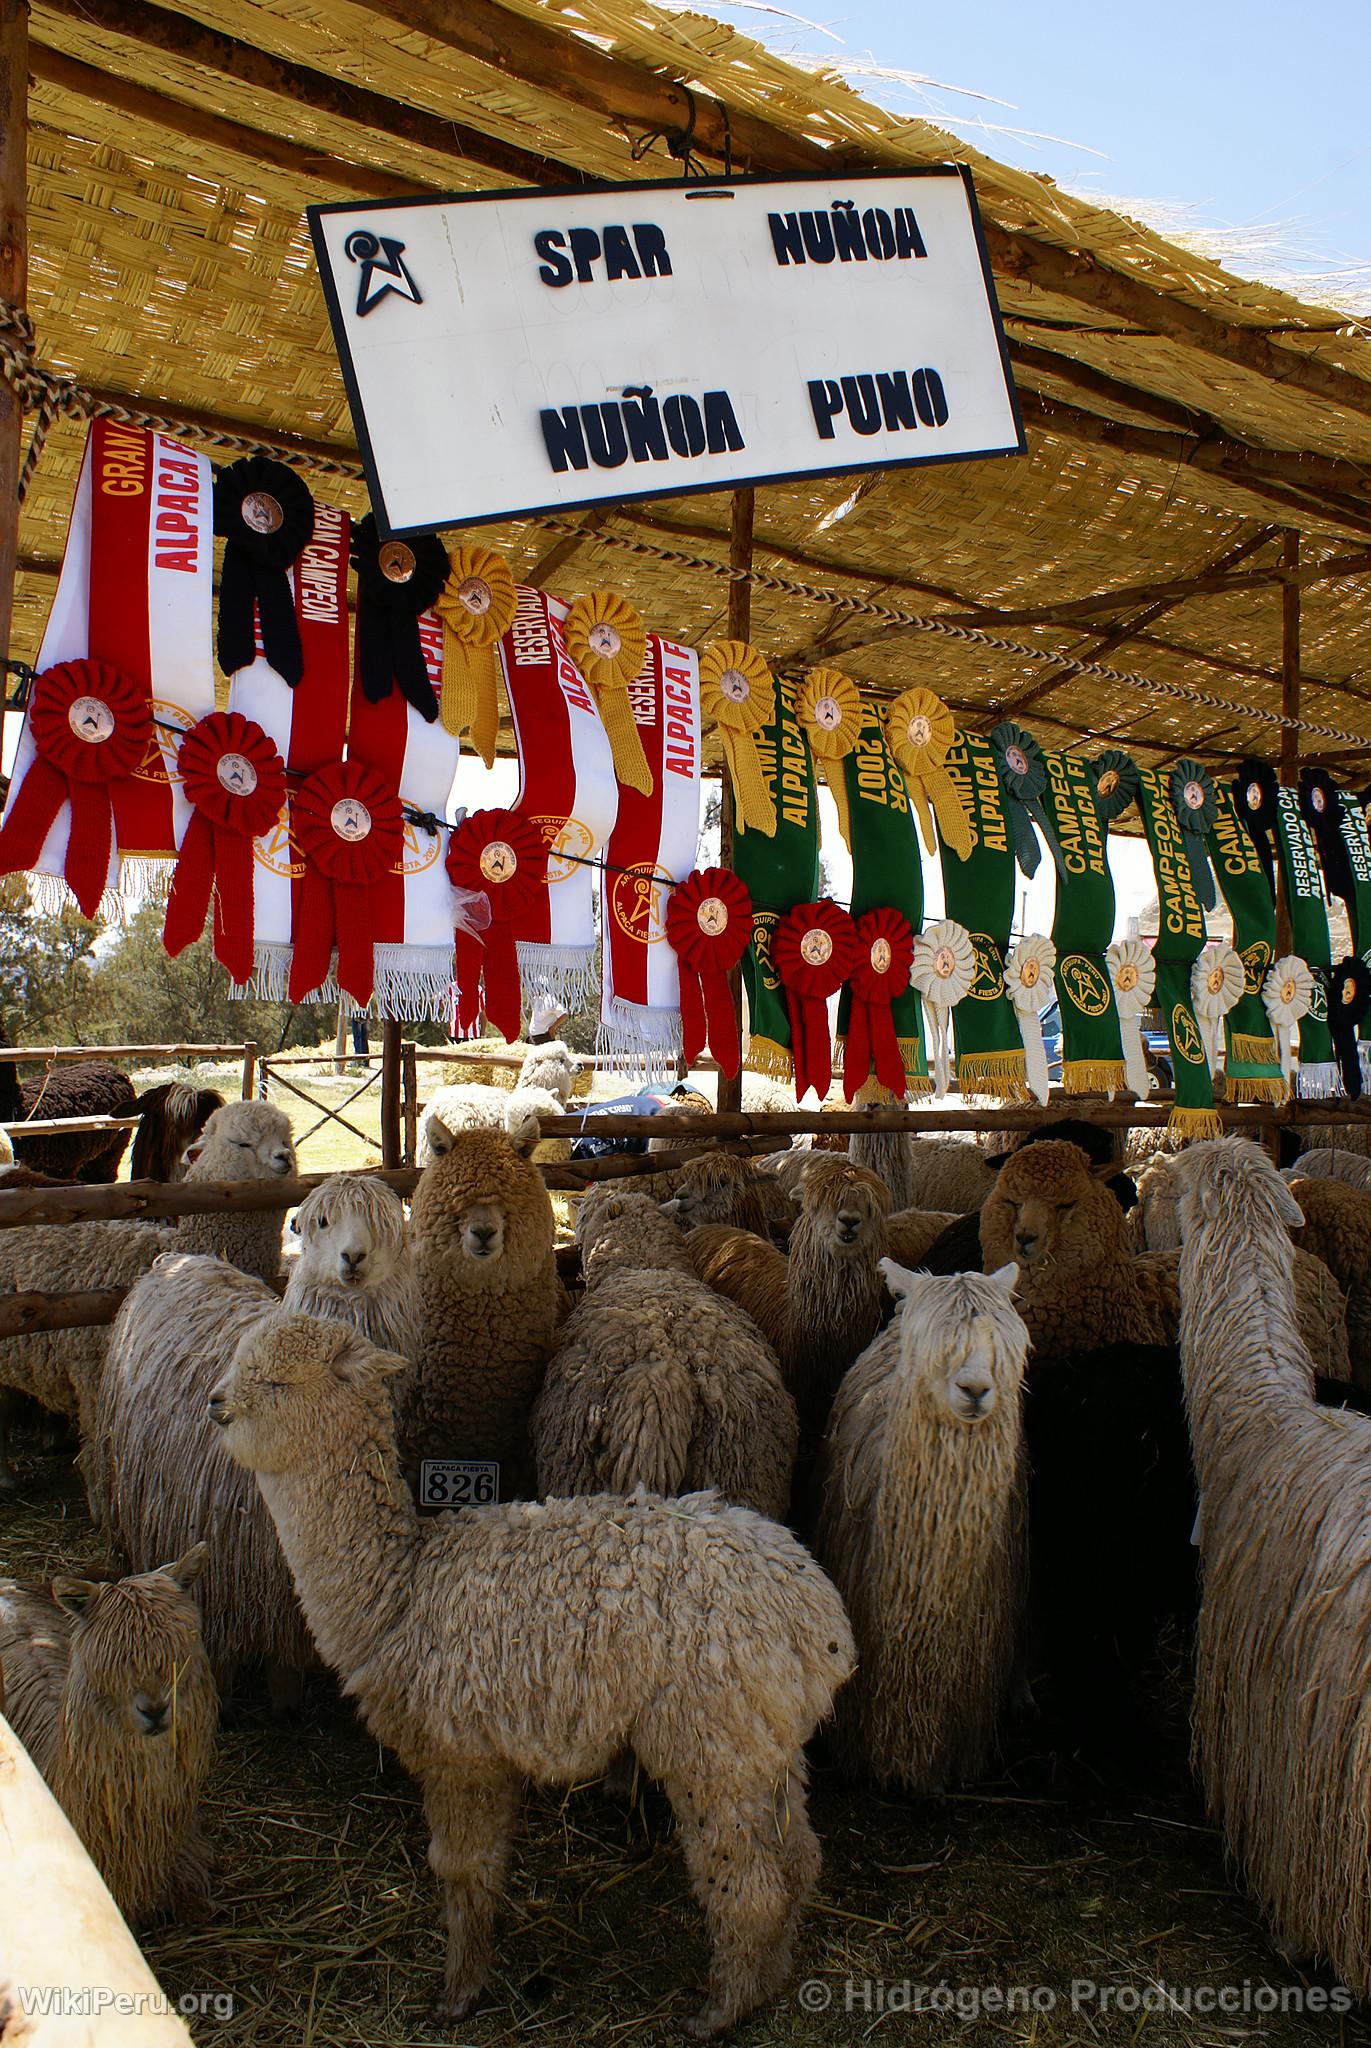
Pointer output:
x,y
1180,420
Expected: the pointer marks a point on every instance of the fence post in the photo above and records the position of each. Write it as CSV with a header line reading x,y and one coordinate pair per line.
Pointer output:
x,y
391,1030
249,1069
409,1069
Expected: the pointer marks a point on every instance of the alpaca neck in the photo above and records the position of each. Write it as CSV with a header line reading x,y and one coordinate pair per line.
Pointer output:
x,y
350,1534
1246,1365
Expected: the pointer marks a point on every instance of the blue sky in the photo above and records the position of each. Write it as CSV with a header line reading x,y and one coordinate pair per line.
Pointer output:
x,y
1248,114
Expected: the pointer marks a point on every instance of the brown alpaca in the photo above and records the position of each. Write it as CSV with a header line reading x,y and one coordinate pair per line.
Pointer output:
x,y
489,1298
721,1188
109,1689
540,1640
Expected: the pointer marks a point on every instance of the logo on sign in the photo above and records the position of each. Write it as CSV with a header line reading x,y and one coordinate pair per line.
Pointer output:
x,y
159,762
384,270
637,899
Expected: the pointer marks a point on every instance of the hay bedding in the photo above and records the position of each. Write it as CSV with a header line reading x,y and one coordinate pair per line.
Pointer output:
x,y
325,1929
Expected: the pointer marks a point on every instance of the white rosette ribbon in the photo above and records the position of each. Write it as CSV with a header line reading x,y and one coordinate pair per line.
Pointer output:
x,y
943,971
1288,993
1133,972
1217,981
1028,981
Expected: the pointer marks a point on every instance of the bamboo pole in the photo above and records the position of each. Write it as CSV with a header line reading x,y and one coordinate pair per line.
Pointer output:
x,y
1290,707
14,86
741,515
391,1042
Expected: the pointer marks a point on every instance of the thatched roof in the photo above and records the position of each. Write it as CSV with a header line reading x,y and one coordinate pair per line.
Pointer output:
x,y
1180,420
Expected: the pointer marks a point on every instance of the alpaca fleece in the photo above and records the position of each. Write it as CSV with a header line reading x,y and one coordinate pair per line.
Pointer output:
x,y
170,1117
887,1154
820,1308
618,1232
1330,1163
489,1308
1336,1228
86,1088
922,1529
241,1141
109,1690
719,1187
1282,1713
539,1640
947,1173
666,1388
1320,1308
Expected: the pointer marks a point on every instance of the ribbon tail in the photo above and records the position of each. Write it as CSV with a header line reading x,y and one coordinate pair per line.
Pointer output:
x,y
886,1056
280,626
1201,874
32,812
952,819
236,645
693,1033
837,783
1035,1055
1044,823
468,954
1134,1062
356,952
191,887
625,741
88,847
820,1045
503,993
857,1053
1027,851
470,702
234,925
724,1042
410,669
373,652
756,810
919,797
312,935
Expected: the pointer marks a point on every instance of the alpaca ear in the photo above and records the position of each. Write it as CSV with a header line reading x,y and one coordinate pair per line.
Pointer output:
x,y
76,1597
354,1366
522,1130
440,1138
899,1280
1006,1279
192,1152
188,1569
1287,1206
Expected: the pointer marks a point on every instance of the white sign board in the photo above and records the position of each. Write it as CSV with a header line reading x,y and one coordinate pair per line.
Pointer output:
x,y
532,351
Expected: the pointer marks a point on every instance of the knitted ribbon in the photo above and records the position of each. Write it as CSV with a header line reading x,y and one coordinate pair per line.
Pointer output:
x,y
1115,775
505,857
235,778
1217,981
919,732
265,512
476,606
943,970
1321,805
347,823
737,692
1254,797
708,927
1133,972
814,949
91,727
1348,986
1028,975
830,710
1287,992
1252,1068
885,955
1023,771
1192,799
397,581
607,641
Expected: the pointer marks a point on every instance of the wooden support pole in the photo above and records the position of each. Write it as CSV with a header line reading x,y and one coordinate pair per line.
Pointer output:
x,y
14,88
410,1077
249,1069
391,1046
1290,705
743,511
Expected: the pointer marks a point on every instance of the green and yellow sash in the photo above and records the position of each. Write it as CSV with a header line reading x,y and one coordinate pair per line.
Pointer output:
x,y
887,873
1180,940
1082,927
979,893
779,872
1254,1071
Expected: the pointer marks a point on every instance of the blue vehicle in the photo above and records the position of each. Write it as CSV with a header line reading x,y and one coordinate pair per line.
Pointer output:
x,y
1156,1046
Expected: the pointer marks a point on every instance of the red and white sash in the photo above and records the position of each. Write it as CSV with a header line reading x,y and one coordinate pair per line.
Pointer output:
x,y
307,723
412,911
651,848
136,591
567,788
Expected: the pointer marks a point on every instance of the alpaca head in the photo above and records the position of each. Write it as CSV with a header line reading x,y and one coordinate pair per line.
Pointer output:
x,y
619,1231
278,1403
136,1655
707,1191
843,1207
352,1232
243,1141
481,1209
961,1340
1050,1207
550,1065
1227,1180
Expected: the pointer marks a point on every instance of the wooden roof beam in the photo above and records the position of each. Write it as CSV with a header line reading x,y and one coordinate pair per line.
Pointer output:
x,y
635,97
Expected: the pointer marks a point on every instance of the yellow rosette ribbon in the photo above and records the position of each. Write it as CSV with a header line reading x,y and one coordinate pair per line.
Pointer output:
x,y
919,731
476,606
607,641
737,692
829,708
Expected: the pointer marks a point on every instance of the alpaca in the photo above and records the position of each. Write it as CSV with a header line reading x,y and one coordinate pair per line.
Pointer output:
x,y
1282,1711
155,1471
61,1368
170,1119
922,1528
1327,1162
666,1388
719,1187
108,1688
539,1640
490,1300
85,1088
1335,1225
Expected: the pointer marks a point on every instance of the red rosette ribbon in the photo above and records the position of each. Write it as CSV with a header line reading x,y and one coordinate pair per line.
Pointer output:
x,y
709,928
885,955
813,949
234,776
346,822
502,856
91,727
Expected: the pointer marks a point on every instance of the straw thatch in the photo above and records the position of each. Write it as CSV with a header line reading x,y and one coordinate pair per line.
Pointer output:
x,y
1179,418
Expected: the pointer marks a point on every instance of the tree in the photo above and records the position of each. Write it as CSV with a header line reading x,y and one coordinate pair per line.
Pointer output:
x,y
47,968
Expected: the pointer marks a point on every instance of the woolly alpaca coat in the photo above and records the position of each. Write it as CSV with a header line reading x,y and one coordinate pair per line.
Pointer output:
x,y
1337,1229
487,1325
666,1387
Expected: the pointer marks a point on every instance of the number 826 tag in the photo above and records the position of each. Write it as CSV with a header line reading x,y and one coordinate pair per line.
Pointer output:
x,y
459,1482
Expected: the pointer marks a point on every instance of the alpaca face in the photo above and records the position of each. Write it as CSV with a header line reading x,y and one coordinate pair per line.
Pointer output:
x,y
961,1338
846,1206
966,1389
353,1237
249,1141
708,1192
135,1653
1049,1207
271,1402
481,1231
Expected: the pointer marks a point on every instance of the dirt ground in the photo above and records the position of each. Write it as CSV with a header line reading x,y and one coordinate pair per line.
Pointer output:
x,y
981,1911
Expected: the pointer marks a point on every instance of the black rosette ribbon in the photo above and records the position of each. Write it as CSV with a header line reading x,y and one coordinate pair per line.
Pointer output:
x,y
1196,807
397,582
1321,803
1348,987
1254,798
1023,774
266,514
